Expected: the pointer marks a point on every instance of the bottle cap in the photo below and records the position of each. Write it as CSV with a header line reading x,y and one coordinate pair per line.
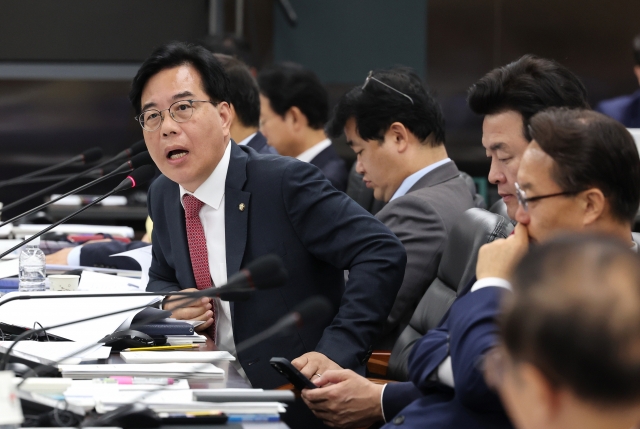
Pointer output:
x,y
35,242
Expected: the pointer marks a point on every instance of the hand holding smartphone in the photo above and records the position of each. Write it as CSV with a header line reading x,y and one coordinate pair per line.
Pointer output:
x,y
295,377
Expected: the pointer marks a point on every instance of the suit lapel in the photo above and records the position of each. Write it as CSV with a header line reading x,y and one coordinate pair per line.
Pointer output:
x,y
236,209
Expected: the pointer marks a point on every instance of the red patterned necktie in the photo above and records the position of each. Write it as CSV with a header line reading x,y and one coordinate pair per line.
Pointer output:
x,y
198,251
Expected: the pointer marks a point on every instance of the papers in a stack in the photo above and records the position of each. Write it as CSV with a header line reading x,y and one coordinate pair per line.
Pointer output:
x,y
50,312
49,352
175,356
172,370
178,340
183,401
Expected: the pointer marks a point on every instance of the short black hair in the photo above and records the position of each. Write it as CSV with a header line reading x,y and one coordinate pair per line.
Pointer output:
x,y
591,150
376,107
288,84
527,86
174,54
575,316
636,49
243,91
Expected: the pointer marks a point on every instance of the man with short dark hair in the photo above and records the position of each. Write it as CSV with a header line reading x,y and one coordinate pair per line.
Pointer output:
x,y
570,337
396,129
294,107
244,98
508,97
218,206
626,108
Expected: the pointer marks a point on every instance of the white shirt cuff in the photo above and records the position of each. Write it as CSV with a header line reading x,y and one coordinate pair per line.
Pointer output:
x,y
73,258
382,403
445,372
491,282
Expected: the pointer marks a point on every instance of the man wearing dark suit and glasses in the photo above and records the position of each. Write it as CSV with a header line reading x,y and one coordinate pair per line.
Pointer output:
x,y
507,97
218,206
396,129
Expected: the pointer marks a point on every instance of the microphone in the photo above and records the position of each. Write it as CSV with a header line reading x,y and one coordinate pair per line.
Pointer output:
x,y
56,177
139,160
86,157
140,175
266,266
133,150
265,272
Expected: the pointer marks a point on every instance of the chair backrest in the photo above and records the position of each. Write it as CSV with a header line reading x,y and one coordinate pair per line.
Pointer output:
x,y
457,267
478,200
499,207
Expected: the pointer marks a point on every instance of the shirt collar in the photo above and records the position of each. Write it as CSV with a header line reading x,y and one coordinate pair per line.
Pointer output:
x,y
634,248
313,151
212,190
408,183
247,140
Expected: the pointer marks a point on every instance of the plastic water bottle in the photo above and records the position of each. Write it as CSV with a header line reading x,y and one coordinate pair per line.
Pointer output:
x,y
32,266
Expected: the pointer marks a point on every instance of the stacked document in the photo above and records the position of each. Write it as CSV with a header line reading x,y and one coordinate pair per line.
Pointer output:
x,y
171,370
178,340
182,401
175,356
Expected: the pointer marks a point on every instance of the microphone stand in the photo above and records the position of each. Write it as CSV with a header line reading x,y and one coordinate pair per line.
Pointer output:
x,y
80,189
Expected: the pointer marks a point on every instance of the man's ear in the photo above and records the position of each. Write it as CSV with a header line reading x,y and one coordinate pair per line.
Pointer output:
x,y
399,135
594,205
546,399
297,118
226,113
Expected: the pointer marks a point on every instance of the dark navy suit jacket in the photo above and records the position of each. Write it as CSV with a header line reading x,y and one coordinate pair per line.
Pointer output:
x,y
466,333
99,255
291,210
333,167
259,144
625,109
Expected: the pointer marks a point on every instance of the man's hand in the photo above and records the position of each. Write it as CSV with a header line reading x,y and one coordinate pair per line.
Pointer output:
x,y
313,364
345,399
499,258
60,257
199,309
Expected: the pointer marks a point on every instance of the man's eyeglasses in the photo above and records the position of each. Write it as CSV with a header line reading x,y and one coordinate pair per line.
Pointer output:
x,y
524,201
180,111
370,78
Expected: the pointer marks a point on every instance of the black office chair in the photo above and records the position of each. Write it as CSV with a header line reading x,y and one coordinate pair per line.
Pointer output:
x,y
499,207
457,267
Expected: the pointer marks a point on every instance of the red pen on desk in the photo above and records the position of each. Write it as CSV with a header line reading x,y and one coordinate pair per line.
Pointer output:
x,y
134,380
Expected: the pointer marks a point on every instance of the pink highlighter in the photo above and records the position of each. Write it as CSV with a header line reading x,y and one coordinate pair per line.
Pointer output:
x,y
142,380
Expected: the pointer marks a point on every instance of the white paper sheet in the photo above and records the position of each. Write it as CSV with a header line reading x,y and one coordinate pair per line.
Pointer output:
x,y
52,351
50,312
9,268
143,257
99,282
172,370
175,356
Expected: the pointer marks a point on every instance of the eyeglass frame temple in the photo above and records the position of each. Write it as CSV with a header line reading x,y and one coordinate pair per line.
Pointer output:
x,y
370,77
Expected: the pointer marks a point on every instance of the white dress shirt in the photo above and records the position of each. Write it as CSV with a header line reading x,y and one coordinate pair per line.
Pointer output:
x,y
313,151
211,193
247,140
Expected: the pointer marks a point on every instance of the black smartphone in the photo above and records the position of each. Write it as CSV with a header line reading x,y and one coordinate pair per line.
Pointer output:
x,y
284,367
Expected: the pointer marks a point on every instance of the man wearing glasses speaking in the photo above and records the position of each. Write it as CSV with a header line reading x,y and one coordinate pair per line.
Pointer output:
x,y
218,206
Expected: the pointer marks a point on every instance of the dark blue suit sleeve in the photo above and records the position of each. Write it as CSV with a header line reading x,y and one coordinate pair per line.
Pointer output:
x,y
99,254
473,331
427,354
162,278
396,396
352,240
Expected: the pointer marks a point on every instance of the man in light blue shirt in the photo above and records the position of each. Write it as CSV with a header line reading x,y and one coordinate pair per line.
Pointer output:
x,y
396,129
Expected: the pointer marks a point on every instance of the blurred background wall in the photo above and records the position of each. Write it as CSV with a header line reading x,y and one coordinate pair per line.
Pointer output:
x,y
65,66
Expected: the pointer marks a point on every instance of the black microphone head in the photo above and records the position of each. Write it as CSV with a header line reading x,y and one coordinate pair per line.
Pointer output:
x,y
137,147
143,158
314,310
137,177
267,272
91,155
